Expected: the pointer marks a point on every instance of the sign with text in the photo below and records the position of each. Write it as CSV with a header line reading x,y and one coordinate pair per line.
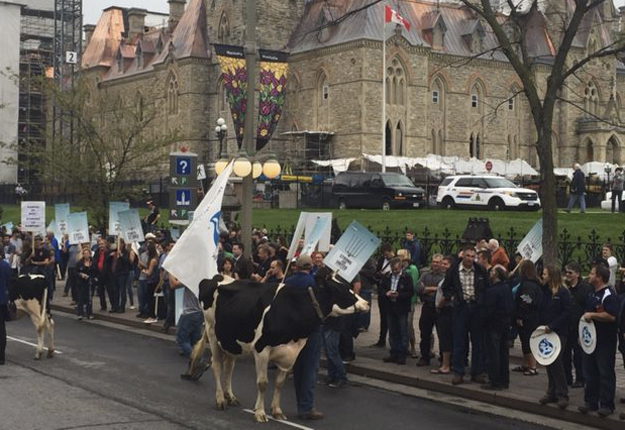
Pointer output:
x,y
61,211
352,251
34,217
78,228
114,209
531,247
130,225
324,238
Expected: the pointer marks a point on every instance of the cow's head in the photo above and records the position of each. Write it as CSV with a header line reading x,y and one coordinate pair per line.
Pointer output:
x,y
207,289
343,300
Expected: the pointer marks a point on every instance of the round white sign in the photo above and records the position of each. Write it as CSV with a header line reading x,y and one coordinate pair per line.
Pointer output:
x,y
587,336
545,347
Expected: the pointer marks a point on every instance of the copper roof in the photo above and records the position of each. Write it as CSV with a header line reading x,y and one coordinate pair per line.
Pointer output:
x,y
105,40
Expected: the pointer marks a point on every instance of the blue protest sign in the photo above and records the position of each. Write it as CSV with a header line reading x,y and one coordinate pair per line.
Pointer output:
x,y
61,211
78,228
130,225
114,209
352,251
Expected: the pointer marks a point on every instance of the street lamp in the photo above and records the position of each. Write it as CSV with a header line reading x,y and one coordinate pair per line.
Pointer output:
x,y
221,130
608,170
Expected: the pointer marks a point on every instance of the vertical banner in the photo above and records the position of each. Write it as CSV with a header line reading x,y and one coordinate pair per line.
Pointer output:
x,y
324,239
61,211
352,251
299,230
273,68
34,217
313,235
130,226
78,228
234,73
114,209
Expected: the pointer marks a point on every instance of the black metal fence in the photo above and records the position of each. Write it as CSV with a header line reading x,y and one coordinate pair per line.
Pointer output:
x,y
580,249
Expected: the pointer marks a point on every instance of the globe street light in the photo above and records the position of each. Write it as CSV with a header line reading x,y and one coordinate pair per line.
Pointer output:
x,y
221,130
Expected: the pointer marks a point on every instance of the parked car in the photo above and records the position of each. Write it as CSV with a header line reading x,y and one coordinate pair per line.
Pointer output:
x,y
374,190
493,192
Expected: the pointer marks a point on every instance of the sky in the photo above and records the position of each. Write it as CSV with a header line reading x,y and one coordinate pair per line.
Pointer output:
x,y
92,9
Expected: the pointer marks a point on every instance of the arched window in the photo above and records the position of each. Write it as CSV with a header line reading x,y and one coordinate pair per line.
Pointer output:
x,y
591,98
294,89
589,151
474,145
388,138
172,95
395,83
223,31
437,94
613,151
399,139
323,99
477,98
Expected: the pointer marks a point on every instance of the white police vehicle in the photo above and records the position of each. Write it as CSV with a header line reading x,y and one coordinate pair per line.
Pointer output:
x,y
492,192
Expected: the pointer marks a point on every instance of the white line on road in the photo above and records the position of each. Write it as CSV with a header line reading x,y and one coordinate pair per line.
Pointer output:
x,y
15,339
287,423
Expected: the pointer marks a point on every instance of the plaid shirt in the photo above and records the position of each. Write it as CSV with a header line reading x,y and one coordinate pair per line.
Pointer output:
x,y
467,279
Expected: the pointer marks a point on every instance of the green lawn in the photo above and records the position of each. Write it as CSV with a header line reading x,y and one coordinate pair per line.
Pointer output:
x,y
435,220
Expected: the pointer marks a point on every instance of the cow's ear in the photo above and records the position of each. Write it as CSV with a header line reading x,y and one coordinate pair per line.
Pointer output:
x,y
218,278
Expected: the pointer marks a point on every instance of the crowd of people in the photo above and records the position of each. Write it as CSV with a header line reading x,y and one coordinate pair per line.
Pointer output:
x,y
475,303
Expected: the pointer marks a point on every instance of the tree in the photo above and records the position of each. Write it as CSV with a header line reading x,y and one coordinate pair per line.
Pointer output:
x,y
107,141
511,30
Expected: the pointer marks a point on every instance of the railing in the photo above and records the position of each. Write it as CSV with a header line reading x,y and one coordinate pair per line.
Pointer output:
x,y
582,249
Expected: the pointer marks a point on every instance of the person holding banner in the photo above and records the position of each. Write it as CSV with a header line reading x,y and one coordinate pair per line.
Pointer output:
x,y
555,315
599,366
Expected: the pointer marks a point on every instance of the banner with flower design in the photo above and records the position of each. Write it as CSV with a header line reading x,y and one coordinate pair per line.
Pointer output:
x,y
272,92
234,74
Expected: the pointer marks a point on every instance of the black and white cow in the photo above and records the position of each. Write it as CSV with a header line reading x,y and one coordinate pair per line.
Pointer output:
x,y
30,294
270,321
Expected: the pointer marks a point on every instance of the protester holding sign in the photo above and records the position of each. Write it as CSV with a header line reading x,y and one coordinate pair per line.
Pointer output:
x,y
555,316
602,308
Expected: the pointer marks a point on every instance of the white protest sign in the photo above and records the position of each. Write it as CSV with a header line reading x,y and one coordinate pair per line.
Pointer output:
x,y
324,240
531,247
352,251
34,217
114,209
8,226
301,224
61,211
314,235
78,228
130,223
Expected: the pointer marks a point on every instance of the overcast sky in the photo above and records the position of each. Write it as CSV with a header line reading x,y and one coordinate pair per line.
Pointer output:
x,y
92,9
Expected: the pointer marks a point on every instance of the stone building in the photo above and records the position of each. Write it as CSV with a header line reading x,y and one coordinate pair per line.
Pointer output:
x,y
447,93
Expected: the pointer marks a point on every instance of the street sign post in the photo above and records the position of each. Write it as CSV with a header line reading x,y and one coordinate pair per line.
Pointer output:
x,y
183,183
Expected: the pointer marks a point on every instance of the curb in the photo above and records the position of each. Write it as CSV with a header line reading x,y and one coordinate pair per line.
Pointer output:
x,y
370,371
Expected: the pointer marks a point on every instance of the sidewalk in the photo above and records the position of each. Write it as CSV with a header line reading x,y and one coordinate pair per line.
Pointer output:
x,y
523,394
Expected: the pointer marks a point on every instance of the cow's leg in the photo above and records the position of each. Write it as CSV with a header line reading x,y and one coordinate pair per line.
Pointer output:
x,y
228,370
262,361
39,325
276,411
216,366
50,328
196,358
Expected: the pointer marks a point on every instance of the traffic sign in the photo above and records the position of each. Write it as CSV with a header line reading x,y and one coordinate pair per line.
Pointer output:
x,y
183,183
489,166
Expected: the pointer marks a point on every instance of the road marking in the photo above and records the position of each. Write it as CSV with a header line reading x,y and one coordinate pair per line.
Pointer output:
x,y
15,339
287,423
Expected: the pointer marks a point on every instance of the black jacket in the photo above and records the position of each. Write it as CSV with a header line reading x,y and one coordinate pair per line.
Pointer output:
x,y
528,301
556,311
578,184
498,306
579,298
405,289
243,267
452,287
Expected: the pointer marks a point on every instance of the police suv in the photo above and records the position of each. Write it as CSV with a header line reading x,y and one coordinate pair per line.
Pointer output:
x,y
492,192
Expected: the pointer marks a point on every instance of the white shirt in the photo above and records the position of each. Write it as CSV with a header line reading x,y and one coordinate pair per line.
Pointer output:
x,y
613,266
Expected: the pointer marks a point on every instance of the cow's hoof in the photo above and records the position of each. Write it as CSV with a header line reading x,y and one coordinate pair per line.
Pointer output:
x,y
221,405
279,416
260,417
50,353
38,356
232,401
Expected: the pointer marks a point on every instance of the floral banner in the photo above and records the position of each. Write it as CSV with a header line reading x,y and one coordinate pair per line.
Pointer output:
x,y
234,73
272,91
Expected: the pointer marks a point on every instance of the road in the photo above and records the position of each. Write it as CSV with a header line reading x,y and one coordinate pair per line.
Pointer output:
x,y
108,378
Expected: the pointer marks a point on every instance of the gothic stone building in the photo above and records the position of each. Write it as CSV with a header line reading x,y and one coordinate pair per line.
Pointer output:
x,y
443,95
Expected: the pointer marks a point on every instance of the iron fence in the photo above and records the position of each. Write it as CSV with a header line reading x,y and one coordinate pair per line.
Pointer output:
x,y
582,249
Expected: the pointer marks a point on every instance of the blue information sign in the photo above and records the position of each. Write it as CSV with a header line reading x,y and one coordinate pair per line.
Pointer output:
x,y
183,165
183,197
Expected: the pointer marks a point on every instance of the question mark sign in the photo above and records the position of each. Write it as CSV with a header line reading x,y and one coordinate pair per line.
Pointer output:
x,y
184,165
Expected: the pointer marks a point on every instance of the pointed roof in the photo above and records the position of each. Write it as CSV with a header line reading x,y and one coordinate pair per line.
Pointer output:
x,y
190,38
105,40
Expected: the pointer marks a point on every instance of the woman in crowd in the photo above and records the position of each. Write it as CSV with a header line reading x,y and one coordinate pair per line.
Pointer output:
x,y
528,299
84,278
121,267
555,316
410,269
227,267
151,280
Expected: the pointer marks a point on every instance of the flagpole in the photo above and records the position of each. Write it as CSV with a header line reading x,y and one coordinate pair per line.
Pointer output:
x,y
384,91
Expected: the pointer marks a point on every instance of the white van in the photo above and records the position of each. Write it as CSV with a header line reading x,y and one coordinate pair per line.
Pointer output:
x,y
493,192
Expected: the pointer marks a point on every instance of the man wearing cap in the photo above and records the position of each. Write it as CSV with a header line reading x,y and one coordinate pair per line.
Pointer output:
x,y
307,364
602,309
152,217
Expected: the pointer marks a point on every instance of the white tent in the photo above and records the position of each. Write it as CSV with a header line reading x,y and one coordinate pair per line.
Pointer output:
x,y
338,165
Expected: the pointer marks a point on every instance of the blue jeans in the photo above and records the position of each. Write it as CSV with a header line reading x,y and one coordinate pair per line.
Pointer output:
x,y
336,369
398,333
142,297
577,197
467,321
599,372
189,331
364,318
305,372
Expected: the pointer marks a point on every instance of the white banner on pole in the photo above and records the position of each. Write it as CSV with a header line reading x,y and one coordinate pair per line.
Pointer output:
x,y
34,217
531,247
314,235
130,226
61,211
114,209
78,228
352,251
299,230
324,239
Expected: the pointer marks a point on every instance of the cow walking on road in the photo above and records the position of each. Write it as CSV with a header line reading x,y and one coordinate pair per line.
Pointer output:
x,y
270,321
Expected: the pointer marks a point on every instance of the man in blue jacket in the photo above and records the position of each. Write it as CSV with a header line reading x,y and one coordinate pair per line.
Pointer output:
x,y
5,278
578,189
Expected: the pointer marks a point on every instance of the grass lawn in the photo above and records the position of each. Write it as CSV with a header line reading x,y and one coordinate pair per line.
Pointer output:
x,y
435,220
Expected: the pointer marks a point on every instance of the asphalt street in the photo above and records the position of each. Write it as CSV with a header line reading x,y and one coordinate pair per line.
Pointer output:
x,y
105,378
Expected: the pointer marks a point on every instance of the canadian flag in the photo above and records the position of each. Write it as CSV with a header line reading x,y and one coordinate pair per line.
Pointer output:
x,y
391,15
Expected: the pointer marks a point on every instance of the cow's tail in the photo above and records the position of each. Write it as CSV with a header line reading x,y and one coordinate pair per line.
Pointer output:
x,y
44,304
